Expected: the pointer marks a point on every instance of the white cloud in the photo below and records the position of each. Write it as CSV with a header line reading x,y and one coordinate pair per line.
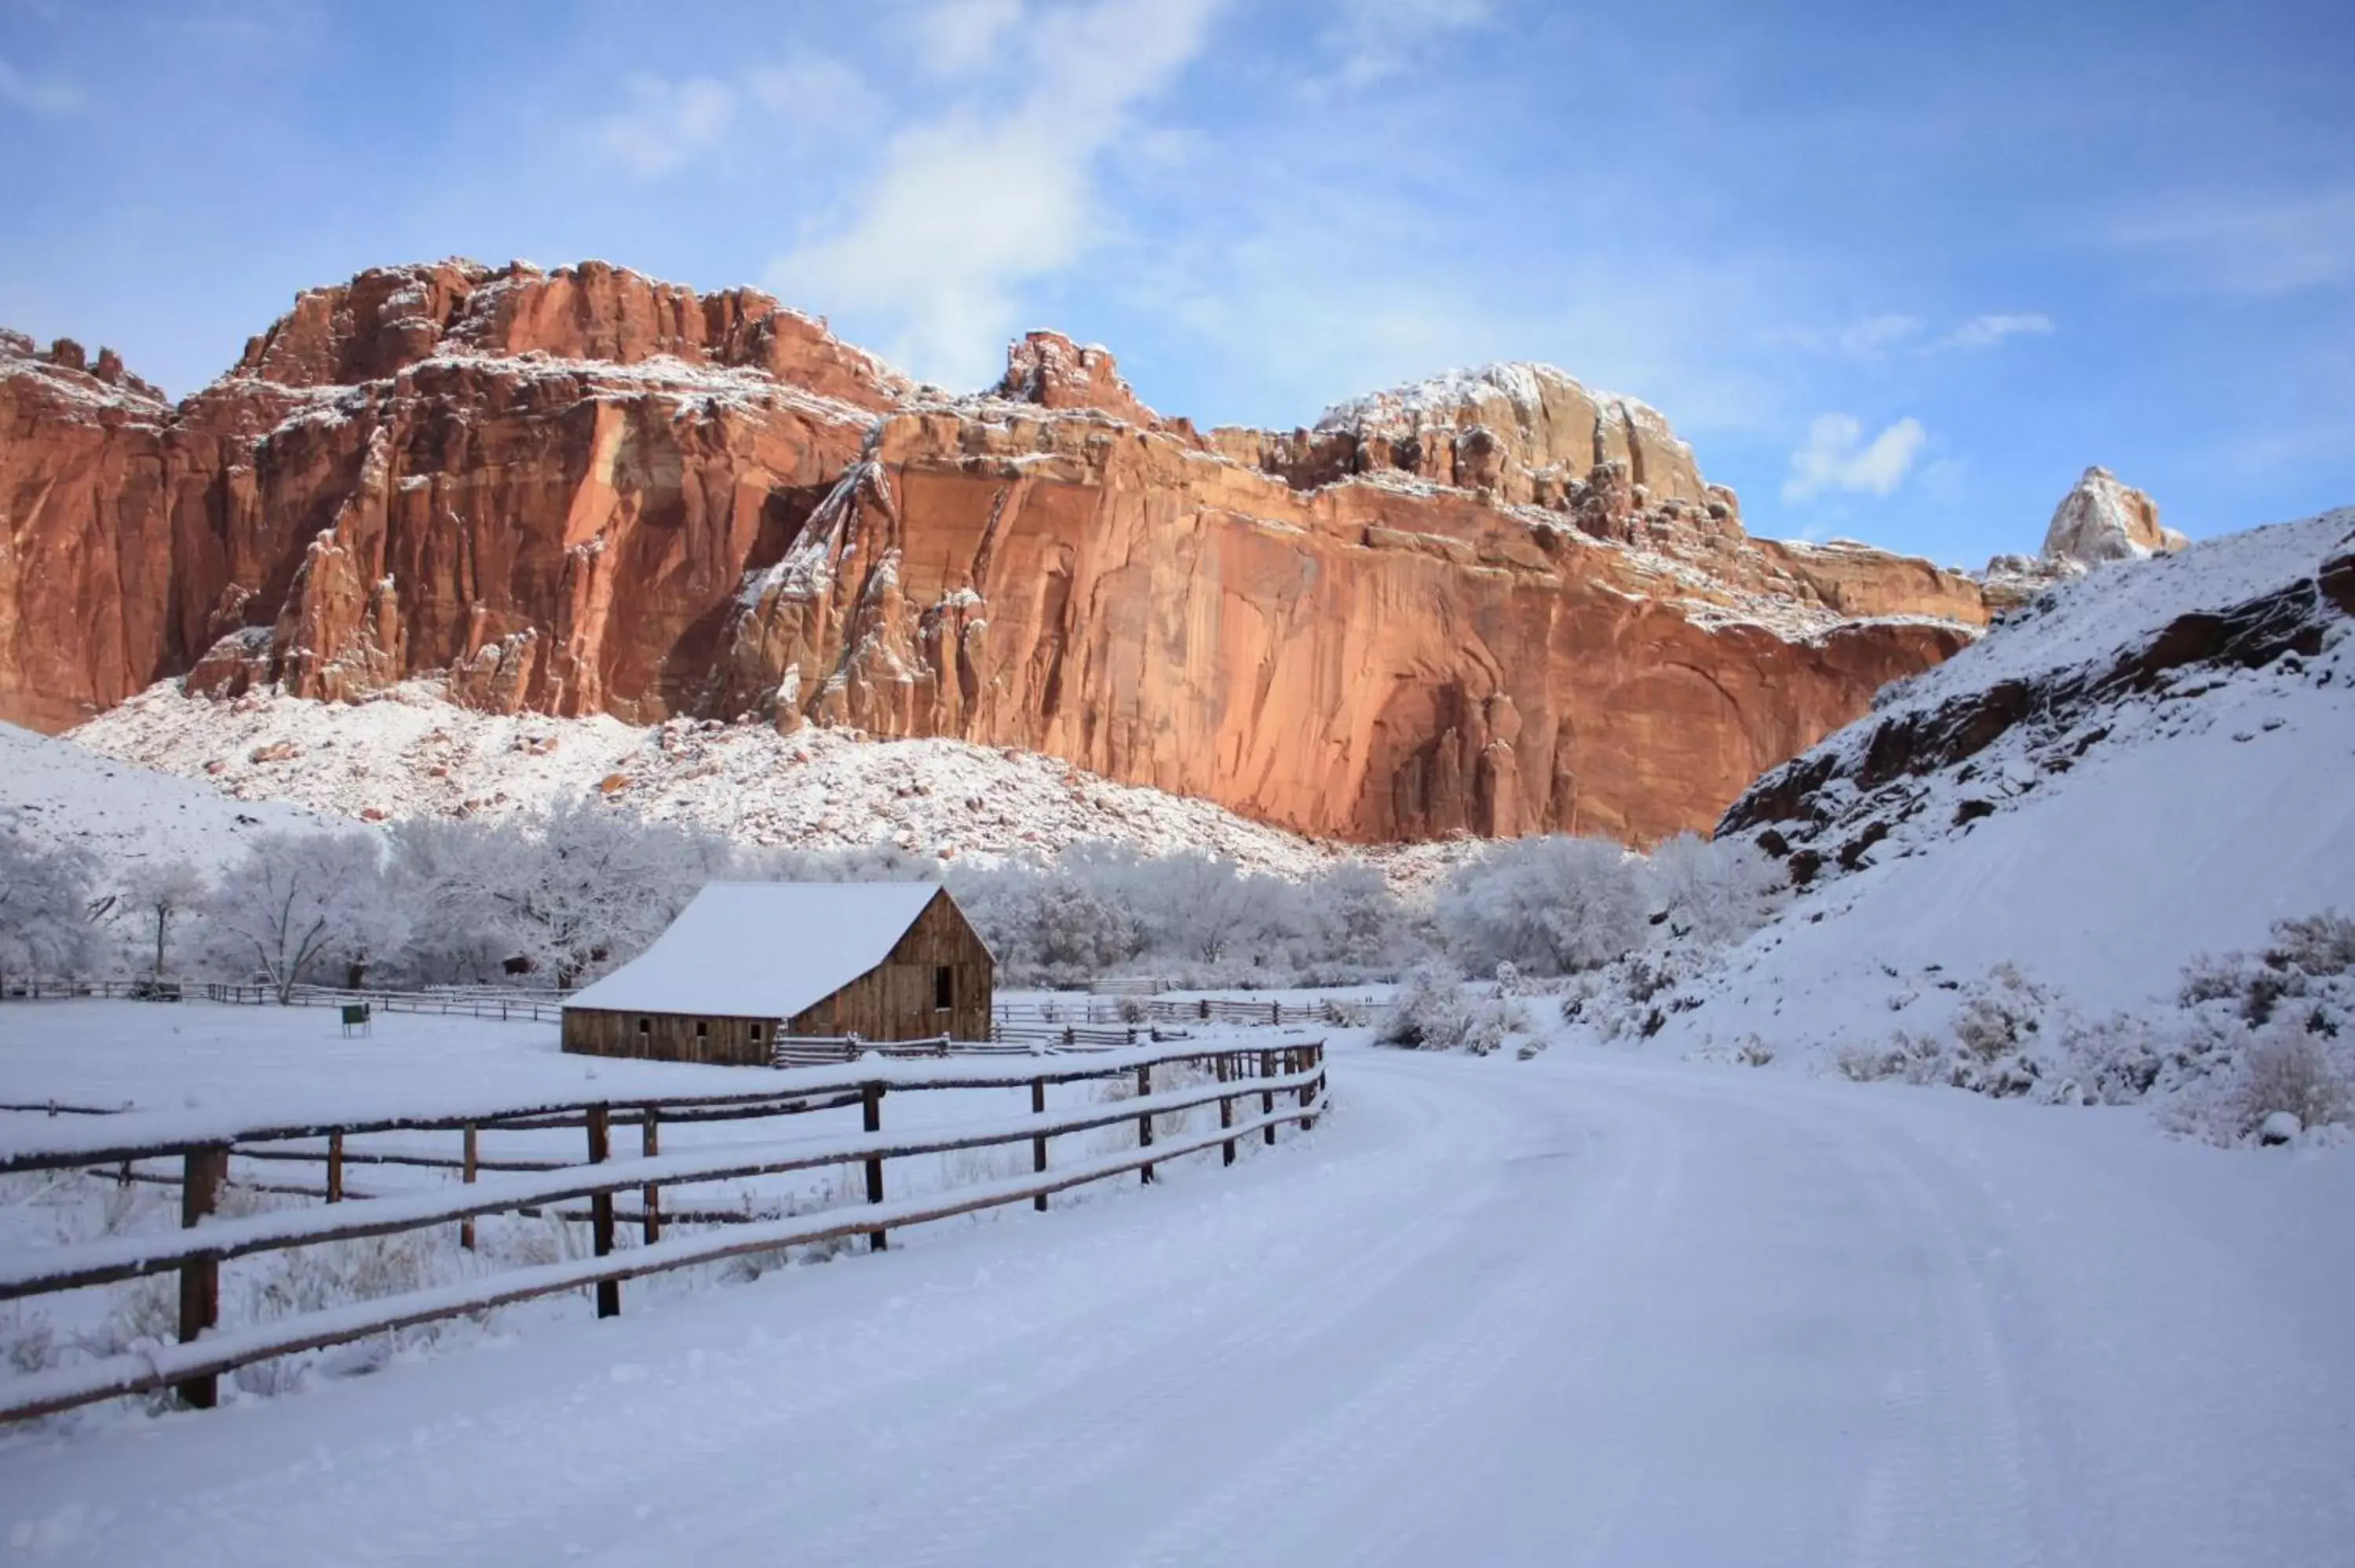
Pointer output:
x,y
1838,457
1870,339
1374,39
970,206
49,99
1986,332
1875,335
958,37
667,123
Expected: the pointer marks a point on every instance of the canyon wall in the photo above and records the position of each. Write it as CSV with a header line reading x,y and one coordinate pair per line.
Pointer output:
x,y
1494,602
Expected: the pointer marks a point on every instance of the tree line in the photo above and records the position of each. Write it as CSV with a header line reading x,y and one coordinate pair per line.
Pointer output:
x,y
556,899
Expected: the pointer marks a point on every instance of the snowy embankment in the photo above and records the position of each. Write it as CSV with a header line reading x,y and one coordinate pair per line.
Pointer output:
x,y
2015,855
63,795
1682,1314
412,753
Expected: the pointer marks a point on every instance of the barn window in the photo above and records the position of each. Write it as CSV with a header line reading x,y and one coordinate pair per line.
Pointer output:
x,y
943,987
756,1034
645,1027
702,1030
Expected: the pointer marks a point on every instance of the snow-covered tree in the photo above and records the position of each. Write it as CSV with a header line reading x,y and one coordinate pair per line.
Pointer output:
x,y
1547,906
302,907
156,896
45,897
1714,891
588,887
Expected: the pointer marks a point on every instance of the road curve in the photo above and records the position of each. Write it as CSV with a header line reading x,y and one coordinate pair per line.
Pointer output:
x,y
1584,1310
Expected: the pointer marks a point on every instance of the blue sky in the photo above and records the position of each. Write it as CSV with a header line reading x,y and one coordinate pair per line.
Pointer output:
x,y
1899,272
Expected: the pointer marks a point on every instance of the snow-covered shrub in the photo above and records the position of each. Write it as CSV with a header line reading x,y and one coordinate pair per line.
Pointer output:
x,y
1713,891
1101,908
45,905
1634,995
1434,1012
1547,906
2285,1068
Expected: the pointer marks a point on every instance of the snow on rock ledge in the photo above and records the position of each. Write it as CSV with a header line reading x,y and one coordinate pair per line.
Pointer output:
x,y
412,754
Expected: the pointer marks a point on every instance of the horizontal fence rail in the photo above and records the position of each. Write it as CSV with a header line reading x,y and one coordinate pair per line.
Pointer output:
x,y
1105,1019
1257,1087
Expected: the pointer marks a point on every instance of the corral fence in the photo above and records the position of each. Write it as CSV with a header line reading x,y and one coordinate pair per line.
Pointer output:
x,y
1078,1022
465,1001
1257,1088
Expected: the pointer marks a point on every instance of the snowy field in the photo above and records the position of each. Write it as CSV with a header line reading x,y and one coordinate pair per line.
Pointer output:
x,y
1584,1309
254,1064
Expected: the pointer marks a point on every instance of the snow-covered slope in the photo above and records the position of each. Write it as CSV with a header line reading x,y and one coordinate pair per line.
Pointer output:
x,y
58,792
2153,762
412,754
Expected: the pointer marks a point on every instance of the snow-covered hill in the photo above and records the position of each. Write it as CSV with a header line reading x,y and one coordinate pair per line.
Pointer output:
x,y
2152,763
413,753
60,793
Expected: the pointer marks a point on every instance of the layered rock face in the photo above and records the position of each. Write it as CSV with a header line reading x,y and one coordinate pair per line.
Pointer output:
x,y
2100,520
1495,602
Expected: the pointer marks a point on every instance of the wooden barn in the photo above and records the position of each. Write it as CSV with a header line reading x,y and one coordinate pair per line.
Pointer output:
x,y
747,963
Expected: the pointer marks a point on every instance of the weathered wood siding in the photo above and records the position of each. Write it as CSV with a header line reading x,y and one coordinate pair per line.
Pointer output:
x,y
894,1000
670,1036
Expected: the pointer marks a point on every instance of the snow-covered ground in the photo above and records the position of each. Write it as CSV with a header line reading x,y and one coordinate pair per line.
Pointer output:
x,y
413,753
1585,1309
252,1064
2105,840
61,793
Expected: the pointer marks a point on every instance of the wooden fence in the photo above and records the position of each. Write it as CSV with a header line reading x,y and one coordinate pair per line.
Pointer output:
x,y
1256,1088
1078,1021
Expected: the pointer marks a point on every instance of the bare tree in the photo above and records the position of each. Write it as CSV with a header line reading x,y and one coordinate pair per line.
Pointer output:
x,y
157,894
300,902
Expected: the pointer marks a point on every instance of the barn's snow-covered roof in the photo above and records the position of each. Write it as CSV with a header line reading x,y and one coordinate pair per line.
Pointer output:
x,y
763,949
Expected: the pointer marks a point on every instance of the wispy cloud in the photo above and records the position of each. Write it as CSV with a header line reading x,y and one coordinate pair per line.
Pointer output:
x,y
2244,244
1838,457
1870,339
968,207
668,126
1375,39
49,100
667,123
958,37
1986,332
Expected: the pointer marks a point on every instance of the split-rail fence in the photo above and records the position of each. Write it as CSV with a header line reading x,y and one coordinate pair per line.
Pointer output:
x,y
1257,1088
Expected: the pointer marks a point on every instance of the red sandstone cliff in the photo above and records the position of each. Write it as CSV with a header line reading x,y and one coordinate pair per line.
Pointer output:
x,y
1496,601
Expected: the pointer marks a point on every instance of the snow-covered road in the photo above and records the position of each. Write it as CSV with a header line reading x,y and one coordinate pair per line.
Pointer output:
x,y
1585,1309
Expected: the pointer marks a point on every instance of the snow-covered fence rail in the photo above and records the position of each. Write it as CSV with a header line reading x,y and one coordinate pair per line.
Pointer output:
x,y
1257,1087
1022,1020
516,1006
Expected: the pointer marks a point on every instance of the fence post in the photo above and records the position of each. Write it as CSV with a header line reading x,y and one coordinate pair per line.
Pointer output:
x,y
1038,1144
1145,1122
466,1225
1275,1013
202,1171
870,1096
1267,1097
1227,1103
1312,1092
652,1144
601,1209
334,1168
